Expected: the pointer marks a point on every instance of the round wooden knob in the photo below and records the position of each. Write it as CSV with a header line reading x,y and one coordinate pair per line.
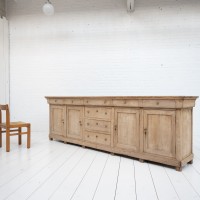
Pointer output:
x,y
97,124
97,111
105,139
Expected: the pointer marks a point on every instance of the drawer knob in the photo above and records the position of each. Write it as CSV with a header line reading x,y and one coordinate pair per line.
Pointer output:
x,y
97,111
96,136
88,136
125,102
105,139
105,113
106,126
88,124
157,103
97,123
88,111
105,101
55,100
86,101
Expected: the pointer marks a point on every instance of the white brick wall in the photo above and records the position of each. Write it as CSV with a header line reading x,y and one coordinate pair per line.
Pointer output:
x,y
94,47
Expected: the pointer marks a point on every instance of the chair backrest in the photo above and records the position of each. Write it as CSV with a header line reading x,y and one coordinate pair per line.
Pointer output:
x,y
6,109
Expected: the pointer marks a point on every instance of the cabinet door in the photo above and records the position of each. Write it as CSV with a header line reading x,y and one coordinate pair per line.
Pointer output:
x,y
159,132
127,129
57,120
74,122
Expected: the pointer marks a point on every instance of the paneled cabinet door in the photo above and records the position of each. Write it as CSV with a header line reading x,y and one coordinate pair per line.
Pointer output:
x,y
57,120
127,129
74,122
159,132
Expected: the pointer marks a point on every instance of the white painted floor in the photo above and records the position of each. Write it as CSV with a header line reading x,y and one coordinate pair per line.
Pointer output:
x,y
54,170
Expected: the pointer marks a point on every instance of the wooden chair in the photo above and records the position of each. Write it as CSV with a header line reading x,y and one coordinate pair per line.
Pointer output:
x,y
13,128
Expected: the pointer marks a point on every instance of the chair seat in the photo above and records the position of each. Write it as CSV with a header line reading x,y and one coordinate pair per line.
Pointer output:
x,y
15,125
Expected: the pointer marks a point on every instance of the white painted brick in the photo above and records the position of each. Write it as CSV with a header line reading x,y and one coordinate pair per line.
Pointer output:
x,y
95,47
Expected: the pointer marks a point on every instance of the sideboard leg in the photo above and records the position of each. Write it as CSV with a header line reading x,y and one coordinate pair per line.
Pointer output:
x,y
141,160
179,168
112,153
83,146
191,162
65,142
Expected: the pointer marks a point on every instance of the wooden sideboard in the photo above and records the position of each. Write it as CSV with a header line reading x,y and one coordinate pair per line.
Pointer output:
x,y
154,128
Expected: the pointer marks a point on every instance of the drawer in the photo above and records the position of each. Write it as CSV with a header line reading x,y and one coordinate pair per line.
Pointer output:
x,y
97,138
73,101
66,101
98,102
159,103
98,125
56,101
103,139
90,137
98,112
126,102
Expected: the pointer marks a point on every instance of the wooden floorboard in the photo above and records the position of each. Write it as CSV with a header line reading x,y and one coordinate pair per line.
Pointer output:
x,y
182,186
144,183
54,170
93,176
126,186
162,183
107,185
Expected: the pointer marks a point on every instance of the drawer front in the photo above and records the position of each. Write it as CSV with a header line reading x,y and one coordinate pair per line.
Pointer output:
x,y
74,101
56,101
66,101
97,138
101,102
97,125
125,102
97,112
103,139
90,137
159,103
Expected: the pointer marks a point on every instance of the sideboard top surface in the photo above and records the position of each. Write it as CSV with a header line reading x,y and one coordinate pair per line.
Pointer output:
x,y
126,97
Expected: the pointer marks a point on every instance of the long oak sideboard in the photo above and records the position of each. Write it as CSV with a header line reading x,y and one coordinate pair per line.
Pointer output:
x,y
154,128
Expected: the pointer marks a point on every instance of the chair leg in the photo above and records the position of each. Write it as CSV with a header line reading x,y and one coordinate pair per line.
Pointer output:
x,y
29,136
0,137
7,140
19,136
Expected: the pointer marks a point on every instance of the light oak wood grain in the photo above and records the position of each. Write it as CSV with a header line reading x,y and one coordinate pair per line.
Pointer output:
x,y
154,128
